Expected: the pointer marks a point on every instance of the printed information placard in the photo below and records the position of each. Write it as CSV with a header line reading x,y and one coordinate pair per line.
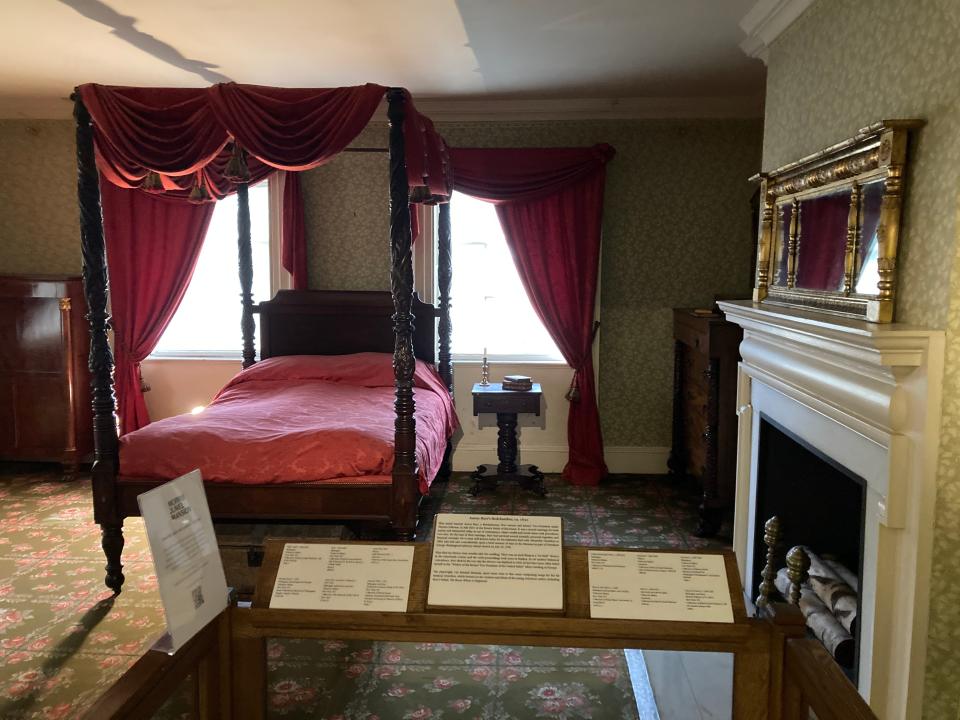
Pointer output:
x,y
328,576
497,561
658,586
185,555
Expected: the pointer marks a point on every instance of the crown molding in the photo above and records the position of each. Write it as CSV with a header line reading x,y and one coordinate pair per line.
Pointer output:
x,y
494,110
638,108
766,21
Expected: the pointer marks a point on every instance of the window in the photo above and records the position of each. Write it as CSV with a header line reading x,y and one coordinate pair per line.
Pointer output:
x,y
207,323
490,308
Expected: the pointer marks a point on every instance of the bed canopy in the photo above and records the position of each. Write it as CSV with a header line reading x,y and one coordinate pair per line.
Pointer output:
x,y
192,146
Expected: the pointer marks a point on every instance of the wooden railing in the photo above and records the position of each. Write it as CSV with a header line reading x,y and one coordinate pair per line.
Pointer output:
x,y
778,673
203,664
813,681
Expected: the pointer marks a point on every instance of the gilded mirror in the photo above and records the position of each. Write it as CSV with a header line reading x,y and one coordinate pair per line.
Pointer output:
x,y
830,223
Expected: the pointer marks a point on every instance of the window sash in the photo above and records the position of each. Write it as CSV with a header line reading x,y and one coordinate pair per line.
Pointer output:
x,y
274,273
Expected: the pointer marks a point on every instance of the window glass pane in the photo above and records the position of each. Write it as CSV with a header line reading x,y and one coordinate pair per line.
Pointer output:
x,y
208,319
490,308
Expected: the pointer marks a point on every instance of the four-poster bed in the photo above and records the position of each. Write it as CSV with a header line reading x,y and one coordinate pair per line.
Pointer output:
x,y
293,324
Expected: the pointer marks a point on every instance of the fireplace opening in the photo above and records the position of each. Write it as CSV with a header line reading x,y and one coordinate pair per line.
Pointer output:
x,y
821,505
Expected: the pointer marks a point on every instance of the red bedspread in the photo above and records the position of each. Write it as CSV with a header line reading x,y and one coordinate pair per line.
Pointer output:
x,y
301,418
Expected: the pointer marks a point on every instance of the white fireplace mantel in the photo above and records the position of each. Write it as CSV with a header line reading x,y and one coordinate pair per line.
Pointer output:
x,y
868,396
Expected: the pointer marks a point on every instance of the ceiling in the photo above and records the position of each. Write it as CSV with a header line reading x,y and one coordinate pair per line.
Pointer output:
x,y
451,49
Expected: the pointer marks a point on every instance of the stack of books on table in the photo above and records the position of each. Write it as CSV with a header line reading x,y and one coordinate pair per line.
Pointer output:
x,y
517,382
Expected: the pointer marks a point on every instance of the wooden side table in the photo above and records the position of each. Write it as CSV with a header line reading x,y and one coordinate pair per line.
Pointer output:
x,y
507,404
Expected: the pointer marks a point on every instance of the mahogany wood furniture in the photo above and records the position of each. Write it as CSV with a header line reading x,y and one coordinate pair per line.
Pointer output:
x,y
748,639
706,353
507,404
203,663
777,674
395,503
44,380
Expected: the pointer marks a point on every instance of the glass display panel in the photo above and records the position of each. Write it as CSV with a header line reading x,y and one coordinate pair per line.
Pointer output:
x,y
183,704
362,679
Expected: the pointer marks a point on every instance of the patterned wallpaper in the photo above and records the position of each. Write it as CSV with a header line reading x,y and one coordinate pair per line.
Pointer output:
x,y
677,231
845,64
39,222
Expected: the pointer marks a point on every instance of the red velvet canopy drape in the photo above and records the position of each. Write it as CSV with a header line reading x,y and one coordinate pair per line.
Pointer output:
x,y
293,240
152,248
185,135
194,144
550,204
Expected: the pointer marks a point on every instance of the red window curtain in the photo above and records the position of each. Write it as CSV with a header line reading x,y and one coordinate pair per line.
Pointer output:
x,y
823,242
152,248
293,236
550,204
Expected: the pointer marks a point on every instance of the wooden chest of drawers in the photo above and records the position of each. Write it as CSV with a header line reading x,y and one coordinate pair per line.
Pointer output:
x,y
706,353
44,382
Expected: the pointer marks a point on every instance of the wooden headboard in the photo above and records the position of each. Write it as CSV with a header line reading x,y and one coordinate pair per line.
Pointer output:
x,y
339,322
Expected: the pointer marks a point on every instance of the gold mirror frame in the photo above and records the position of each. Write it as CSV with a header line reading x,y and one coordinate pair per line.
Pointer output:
x,y
876,154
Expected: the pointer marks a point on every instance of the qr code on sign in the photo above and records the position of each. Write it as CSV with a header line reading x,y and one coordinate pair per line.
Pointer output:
x,y
197,597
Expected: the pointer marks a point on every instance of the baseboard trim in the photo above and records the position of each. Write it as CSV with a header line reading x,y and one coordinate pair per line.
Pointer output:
x,y
636,459
632,459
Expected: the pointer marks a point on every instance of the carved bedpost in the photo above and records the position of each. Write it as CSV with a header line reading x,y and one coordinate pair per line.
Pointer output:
x,y
247,327
444,280
96,289
405,471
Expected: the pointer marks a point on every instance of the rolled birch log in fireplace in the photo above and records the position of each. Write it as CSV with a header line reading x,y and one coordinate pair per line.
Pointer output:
x,y
843,571
836,594
821,621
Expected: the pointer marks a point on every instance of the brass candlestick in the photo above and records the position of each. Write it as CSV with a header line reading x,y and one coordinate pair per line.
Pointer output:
x,y
484,370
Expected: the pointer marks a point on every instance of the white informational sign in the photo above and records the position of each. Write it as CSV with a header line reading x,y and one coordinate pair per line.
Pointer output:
x,y
189,570
327,576
659,586
497,561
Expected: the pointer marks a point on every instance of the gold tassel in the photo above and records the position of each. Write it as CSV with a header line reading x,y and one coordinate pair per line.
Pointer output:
x,y
199,192
237,170
573,394
152,182
420,194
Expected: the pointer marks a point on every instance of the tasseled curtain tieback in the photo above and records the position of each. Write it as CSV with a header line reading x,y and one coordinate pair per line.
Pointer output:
x,y
573,393
199,193
152,182
236,170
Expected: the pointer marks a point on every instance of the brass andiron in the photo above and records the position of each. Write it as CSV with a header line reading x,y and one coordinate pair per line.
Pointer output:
x,y
771,538
798,563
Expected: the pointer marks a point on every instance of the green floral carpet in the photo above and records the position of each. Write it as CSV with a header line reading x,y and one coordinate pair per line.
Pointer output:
x,y
381,681
63,640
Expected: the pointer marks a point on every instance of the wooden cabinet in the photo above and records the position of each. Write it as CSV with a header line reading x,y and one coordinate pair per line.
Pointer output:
x,y
44,382
706,353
